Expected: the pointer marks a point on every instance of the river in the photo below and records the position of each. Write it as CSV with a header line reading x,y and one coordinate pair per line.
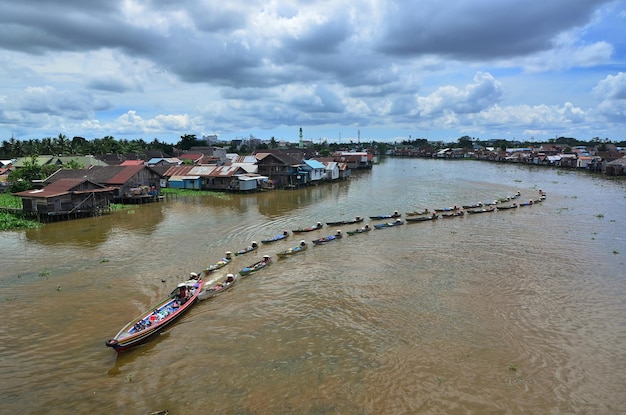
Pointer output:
x,y
511,312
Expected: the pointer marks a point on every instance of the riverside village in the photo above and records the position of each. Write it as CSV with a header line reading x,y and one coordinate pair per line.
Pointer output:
x,y
77,180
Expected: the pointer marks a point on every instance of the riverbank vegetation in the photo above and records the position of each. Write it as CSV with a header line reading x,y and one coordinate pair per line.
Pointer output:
x,y
13,219
169,192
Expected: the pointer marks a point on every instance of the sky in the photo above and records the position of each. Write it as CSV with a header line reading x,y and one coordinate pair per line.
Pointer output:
x,y
342,70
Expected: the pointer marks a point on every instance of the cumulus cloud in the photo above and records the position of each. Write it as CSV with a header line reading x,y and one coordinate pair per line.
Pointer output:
x,y
475,97
612,93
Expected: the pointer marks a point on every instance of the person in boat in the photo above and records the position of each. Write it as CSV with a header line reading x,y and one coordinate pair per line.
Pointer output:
x,y
193,276
266,258
302,242
366,227
183,294
398,220
229,278
338,234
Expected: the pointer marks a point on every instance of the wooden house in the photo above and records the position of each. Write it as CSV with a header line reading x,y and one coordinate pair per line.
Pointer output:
x,y
67,198
282,170
133,184
616,167
225,178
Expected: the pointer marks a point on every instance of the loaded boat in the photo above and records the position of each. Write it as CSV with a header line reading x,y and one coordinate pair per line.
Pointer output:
x,y
276,238
395,214
422,218
357,219
219,264
256,266
218,288
323,240
364,229
292,251
396,222
153,321
317,226
253,247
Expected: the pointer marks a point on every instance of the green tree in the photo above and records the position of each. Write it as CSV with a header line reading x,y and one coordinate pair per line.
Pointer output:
x,y
187,141
465,142
73,164
22,179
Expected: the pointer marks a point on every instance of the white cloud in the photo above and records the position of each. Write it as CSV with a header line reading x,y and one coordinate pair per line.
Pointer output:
x,y
253,65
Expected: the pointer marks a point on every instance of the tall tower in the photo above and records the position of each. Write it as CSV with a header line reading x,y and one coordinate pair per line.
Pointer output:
x,y
301,142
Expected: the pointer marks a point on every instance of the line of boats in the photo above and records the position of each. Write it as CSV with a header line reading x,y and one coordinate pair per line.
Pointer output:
x,y
187,293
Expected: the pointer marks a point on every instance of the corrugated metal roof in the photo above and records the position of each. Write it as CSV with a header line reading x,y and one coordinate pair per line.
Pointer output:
x,y
224,171
178,171
63,186
202,170
314,164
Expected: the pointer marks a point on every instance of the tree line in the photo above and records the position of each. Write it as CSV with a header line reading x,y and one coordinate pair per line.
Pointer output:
x,y
62,145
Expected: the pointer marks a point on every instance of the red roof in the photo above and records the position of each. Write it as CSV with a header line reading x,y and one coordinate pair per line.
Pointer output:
x,y
132,163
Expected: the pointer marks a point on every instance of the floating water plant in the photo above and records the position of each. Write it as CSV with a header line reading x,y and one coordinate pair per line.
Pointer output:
x,y
44,273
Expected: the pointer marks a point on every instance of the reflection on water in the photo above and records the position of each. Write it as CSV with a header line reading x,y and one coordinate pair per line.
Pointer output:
x,y
517,311
94,231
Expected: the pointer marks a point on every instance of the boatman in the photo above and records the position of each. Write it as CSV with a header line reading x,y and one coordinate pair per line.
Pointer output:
x,y
183,293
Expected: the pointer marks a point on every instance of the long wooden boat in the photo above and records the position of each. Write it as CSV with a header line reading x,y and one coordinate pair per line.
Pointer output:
x,y
529,203
364,229
391,216
396,222
317,226
482,210
276,238
447,209
505,207
417,212
357,219
422,218
473,206
329,238
453,214
257,266
251,248
151,322
231,279
219,264
292,251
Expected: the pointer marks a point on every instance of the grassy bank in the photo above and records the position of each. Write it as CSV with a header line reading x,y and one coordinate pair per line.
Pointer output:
x,y
169,192
9,221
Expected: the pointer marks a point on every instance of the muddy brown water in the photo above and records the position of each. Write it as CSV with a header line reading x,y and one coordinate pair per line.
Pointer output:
x,y
511,312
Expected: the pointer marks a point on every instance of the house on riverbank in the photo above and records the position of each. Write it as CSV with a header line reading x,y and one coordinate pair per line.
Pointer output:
x,y
132,184
66,199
